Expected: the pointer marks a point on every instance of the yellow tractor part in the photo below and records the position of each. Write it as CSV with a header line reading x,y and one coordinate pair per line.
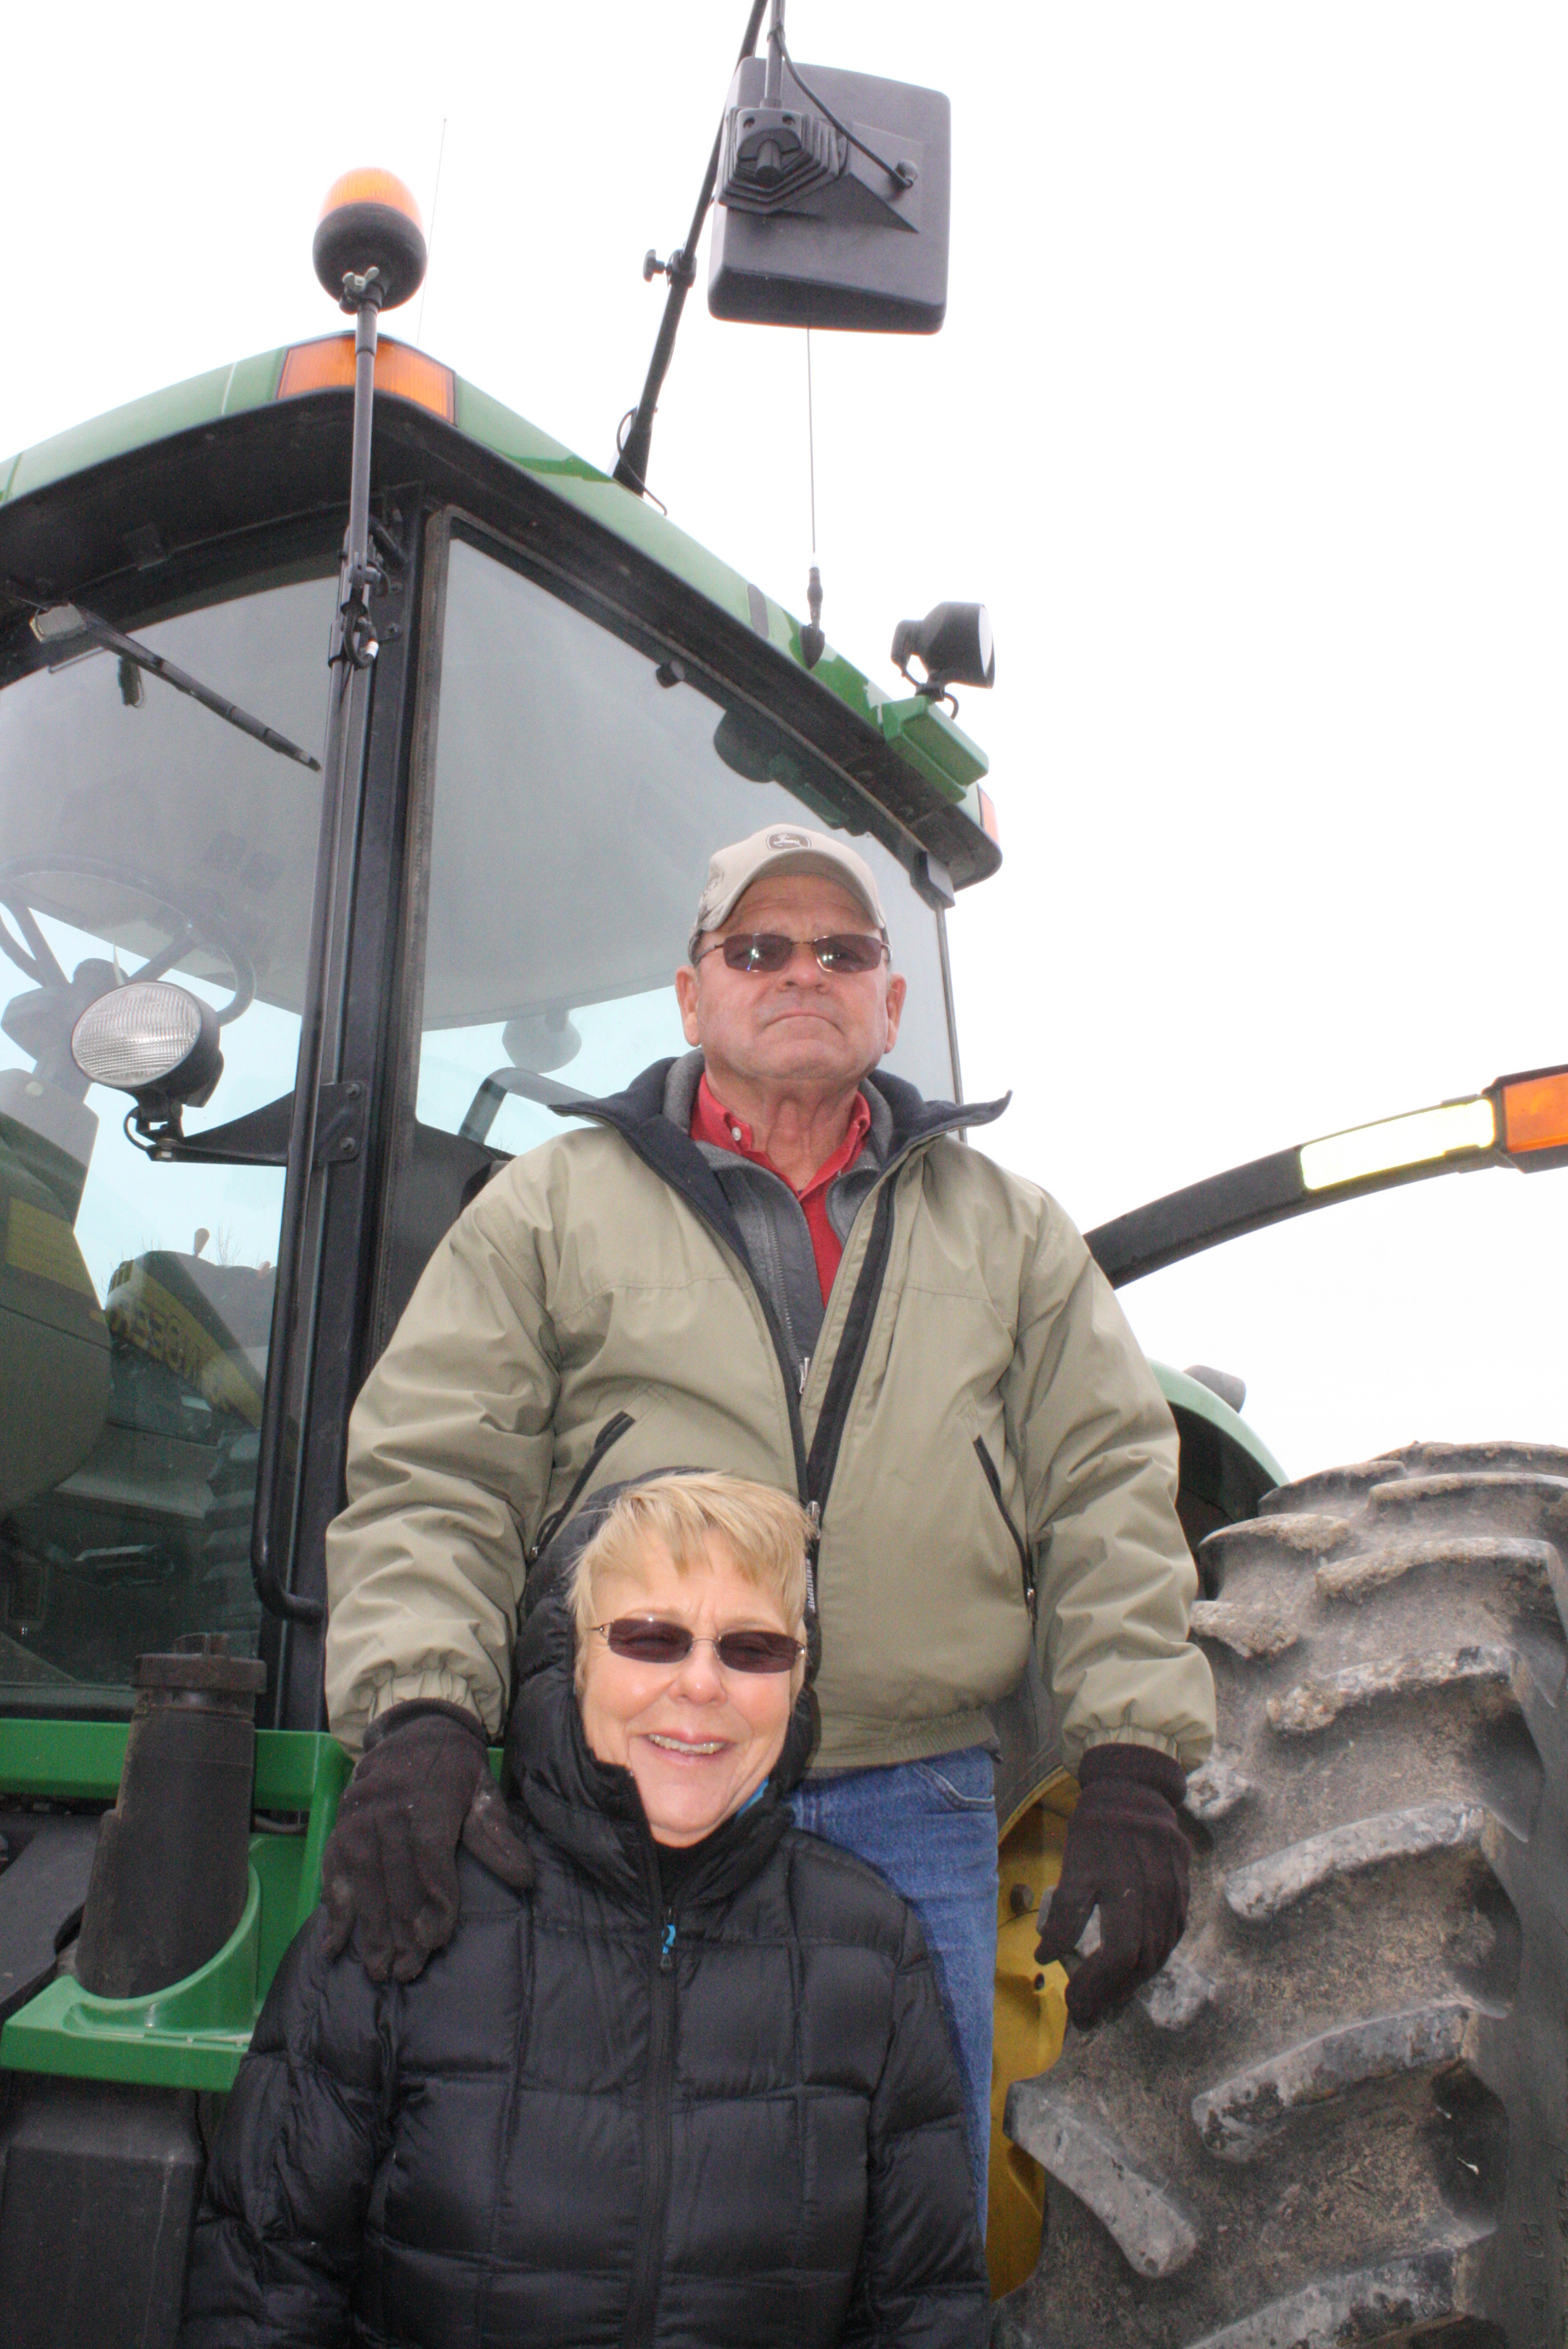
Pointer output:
x,y
154,1305
54,1345
1031,2019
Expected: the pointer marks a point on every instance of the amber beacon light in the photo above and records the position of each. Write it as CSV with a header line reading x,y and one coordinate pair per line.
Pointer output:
x,y
370,221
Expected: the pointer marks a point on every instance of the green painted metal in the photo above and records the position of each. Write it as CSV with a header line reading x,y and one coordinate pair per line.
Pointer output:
x,y
924,738
61,1760
67,1761
934,745
202,399
193,2034
190,2036
1204,1403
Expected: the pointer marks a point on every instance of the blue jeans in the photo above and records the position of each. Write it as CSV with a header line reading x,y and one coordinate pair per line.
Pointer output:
x,y
930,1828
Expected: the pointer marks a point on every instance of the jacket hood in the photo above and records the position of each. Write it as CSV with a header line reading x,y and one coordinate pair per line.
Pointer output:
x,y
591,1808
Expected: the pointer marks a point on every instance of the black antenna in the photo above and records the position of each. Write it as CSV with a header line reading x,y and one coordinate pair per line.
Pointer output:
x,y
812,640
812,442
636,433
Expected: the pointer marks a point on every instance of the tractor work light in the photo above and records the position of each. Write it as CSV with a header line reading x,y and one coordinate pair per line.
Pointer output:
x,y
1399,1142
953,644
152,1040
401,373
370,221
1523,1121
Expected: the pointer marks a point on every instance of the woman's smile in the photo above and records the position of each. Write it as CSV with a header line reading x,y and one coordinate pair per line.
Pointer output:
x,y
698,1738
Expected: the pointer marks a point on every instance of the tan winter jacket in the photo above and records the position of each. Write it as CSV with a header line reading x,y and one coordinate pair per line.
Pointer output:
x,y
977,1419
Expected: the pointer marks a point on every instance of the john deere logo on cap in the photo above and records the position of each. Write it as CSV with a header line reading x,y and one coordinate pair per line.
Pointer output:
x,y
788,839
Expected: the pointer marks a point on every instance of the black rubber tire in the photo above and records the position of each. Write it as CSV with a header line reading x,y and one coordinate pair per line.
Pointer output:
x,y
1341,2113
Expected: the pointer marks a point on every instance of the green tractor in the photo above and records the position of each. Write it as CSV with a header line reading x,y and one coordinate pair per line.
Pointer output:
x,y
299,836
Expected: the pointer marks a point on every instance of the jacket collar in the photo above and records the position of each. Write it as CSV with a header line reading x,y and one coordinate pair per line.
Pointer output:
x,y
655,1099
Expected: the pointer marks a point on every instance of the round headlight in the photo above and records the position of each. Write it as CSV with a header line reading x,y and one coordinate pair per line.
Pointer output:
x,y
150,1040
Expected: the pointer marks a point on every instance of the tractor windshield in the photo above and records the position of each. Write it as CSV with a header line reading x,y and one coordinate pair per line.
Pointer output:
x,y
575,779
139,829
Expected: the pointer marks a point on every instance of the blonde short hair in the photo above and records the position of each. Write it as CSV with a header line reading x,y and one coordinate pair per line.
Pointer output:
x,y
765,1532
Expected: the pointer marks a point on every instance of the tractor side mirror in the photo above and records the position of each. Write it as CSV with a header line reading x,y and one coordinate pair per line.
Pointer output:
x,y
832,201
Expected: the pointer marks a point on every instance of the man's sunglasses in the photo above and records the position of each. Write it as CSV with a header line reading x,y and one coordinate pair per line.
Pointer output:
x,y
768,950
649,1640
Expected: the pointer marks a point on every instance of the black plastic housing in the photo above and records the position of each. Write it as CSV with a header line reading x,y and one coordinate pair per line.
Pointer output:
x,y
98,2186
857,251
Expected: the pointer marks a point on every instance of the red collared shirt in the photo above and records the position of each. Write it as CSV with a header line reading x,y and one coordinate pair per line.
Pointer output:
x,y
711,1122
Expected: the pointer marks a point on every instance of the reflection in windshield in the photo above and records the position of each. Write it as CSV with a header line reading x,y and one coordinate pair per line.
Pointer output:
x,y
581,784
577,801
139,838
571,832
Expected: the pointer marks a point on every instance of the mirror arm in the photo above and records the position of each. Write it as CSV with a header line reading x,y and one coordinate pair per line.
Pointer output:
x,y
632,459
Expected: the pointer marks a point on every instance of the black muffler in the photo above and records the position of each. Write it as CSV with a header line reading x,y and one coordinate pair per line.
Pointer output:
x,y
170,1872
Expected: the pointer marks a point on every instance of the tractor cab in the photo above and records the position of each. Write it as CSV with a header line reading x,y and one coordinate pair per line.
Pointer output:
x,y
570,703
332,866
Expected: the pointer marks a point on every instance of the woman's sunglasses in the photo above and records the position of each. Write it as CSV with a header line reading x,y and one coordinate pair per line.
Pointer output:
x,y
769,950
649,1640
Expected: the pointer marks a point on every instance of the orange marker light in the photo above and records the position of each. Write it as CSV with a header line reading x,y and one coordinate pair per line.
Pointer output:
x,y
371,187
401,373
1535,1112
988,822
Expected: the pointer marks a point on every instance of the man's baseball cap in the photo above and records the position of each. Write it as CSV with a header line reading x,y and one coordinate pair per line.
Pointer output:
x,y
781,848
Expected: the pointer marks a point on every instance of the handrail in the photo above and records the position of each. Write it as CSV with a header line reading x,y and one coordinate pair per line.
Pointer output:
x,y
296,1304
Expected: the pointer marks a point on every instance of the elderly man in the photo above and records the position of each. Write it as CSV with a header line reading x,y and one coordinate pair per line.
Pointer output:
x,y
766,1258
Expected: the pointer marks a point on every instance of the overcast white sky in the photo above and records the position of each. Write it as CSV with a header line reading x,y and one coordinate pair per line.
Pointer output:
x,y
1249,424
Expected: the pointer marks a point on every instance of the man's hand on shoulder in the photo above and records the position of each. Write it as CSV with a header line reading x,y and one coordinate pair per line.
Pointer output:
x,y
1126,1856
389,1872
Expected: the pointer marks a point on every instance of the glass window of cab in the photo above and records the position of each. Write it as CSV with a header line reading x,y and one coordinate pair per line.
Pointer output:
x,y
139,829
580,783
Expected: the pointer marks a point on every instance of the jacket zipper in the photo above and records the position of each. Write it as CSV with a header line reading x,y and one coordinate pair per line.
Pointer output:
x,y
1026,1555
850,1360
813,1472
642,2303
611,1433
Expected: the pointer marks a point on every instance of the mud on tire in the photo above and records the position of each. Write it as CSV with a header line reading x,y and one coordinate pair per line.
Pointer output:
x,y
1340,2115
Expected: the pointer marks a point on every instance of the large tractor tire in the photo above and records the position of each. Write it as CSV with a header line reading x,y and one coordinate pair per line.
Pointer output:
x,y
1340,2114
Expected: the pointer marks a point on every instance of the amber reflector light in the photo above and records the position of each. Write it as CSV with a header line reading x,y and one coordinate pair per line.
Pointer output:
x,y
401,373
988,824
369,187
1535,1112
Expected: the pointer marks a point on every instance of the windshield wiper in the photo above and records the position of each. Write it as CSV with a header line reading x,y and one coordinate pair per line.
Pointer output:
x,y
65,626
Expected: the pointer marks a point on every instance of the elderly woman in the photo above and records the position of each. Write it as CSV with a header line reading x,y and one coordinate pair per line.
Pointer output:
x,y
692,2084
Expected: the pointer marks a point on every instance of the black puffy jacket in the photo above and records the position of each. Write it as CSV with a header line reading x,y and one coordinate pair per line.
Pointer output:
x,y
580,2127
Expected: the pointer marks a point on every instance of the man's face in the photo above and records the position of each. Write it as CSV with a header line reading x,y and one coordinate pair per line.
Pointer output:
x,y
801,1025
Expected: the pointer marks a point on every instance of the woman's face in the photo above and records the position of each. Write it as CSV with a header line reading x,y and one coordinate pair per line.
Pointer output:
x,y
699,1740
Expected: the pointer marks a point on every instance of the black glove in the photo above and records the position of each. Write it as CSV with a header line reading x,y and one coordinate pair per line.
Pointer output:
x,y
389,1872
1125,1854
